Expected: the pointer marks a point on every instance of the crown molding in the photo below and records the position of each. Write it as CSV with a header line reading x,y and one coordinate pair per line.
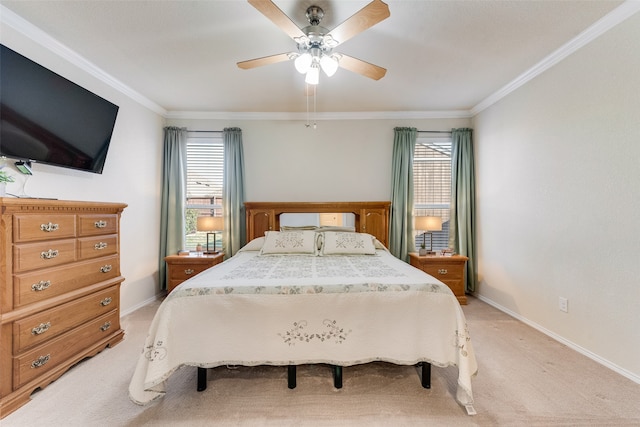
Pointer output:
x,y
346,115
24,27
604,24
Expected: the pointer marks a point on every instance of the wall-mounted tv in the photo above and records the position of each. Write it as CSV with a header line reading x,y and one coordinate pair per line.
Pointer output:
x,y
49,119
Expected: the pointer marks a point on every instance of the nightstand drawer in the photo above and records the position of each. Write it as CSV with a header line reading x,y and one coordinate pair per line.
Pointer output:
x,y
444,271
186,271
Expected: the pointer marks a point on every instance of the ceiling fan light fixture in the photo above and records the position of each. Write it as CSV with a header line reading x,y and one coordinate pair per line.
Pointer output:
x,y
329,64
313,75
303,62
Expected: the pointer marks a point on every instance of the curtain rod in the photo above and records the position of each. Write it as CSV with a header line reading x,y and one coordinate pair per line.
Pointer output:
x,y
205,131
434,131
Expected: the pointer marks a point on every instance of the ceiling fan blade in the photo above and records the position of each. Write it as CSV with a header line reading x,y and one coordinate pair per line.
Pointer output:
x,y
367,17
265,60
361,67
278,17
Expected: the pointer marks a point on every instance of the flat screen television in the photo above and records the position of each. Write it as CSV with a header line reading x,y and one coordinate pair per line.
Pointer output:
x,y
49,119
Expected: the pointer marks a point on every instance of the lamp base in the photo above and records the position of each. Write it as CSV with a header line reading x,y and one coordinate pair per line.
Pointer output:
x,y
214,251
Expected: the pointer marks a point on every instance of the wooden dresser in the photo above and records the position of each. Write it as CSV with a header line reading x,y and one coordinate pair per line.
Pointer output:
x,y
448,269
59,290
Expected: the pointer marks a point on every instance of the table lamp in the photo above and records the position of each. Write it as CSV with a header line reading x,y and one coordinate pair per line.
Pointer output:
x,y
427,224
210,224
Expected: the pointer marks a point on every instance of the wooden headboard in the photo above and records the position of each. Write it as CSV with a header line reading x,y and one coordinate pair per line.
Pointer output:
x,y
370,217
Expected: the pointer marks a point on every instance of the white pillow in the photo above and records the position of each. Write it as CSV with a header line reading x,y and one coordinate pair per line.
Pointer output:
x,y
347,243
289,242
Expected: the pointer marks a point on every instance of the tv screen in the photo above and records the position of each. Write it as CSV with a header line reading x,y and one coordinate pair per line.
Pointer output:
x,y
49,119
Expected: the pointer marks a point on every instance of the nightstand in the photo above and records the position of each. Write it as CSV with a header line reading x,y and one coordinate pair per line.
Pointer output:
x,y
183,267
448,269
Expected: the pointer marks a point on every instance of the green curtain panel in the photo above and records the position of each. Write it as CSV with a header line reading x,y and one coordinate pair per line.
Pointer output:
x,y
463,201
401,215
174,168
234,234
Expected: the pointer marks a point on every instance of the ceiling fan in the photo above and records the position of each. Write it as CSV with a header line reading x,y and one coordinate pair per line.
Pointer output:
x,y
315,43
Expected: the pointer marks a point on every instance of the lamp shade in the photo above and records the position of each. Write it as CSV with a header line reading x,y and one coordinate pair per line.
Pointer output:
x,y
428,223
210,223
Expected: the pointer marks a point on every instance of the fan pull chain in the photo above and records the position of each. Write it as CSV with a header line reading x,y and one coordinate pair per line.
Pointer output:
x,y
314,106
308,124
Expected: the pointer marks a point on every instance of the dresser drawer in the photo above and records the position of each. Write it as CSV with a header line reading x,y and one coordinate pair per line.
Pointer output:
x,y
92,225
29,228
42,284
31,256
93,247
45,325
58,351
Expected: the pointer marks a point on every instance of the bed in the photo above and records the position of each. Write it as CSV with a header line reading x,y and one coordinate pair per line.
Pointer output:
x,y
307,295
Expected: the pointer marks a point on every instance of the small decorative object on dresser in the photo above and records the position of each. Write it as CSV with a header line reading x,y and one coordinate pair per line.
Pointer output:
x,y
448,269
181,268
59,290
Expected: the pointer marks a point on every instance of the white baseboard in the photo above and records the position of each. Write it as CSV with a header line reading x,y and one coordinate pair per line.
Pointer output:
x,y
633,377
146,302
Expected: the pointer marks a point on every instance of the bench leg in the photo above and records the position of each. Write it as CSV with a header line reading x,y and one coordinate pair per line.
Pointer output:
x,y
426,375
337,376
202,379
291,376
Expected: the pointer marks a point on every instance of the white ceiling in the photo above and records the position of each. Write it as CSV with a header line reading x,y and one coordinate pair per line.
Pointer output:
x,y
441,56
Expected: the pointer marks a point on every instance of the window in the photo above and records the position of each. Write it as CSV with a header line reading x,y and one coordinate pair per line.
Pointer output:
x,y
205,165
432,185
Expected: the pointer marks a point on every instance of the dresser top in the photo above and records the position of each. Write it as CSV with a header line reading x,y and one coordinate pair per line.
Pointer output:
x,y
10,204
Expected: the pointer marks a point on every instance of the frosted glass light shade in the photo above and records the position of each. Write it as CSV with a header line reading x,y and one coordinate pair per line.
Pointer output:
x,y
313,75
303,62
329,65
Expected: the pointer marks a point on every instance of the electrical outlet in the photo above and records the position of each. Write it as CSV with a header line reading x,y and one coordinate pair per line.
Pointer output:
x,y
563,304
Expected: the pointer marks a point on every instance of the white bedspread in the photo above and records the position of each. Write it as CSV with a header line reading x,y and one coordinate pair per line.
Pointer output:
x,y
295,309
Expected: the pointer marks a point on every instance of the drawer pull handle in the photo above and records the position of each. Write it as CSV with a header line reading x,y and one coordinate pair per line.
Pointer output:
x,y
189,271
442,271
40,361
105,268
41,328
105,302
101,224
51,253
100,245
41,285
106,326
48,227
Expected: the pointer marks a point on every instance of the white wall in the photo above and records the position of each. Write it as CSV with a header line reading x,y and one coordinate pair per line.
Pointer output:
x,y
558,173
131,174
340,160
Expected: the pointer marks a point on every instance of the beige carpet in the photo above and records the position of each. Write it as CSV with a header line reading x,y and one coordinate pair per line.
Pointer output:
x,y
525,378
